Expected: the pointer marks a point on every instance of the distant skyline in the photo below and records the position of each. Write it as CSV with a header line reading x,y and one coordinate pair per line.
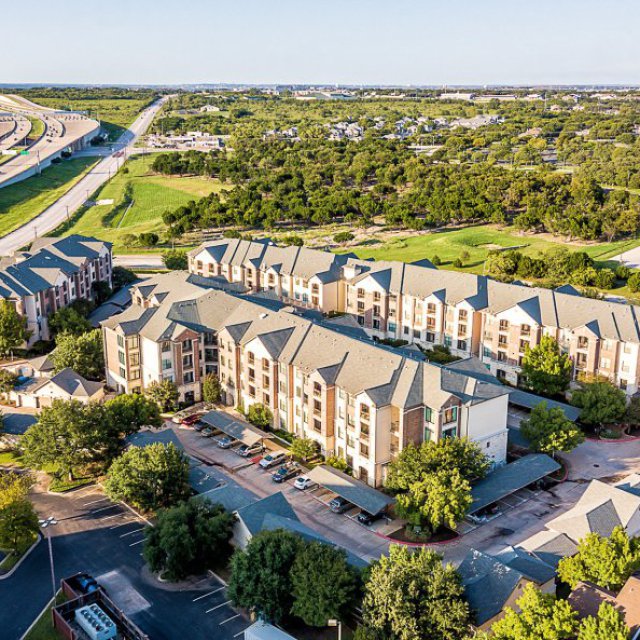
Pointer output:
x,y
397,42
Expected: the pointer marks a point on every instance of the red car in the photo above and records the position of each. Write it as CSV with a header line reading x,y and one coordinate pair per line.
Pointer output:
x,y
189,421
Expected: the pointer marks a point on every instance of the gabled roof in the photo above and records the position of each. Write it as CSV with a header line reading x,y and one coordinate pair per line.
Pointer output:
x,y
71,383
527,564
550,546
253,515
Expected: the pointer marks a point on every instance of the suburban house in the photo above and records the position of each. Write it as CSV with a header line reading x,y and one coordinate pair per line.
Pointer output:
x,y
470,314
356,399
492,583
586,599
51,275
65,385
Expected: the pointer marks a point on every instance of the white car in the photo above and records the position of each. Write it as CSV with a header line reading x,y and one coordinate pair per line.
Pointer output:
x,y
303,482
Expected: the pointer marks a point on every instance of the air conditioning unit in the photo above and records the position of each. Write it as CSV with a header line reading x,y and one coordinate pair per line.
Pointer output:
x,y
95,622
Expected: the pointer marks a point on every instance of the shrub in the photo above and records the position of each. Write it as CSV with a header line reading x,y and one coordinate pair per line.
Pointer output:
x,y
148,239
343,236
622,272
259,415
634,282
436,260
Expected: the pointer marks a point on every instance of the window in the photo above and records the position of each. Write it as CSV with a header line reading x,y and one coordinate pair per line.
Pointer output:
x,y
431,323
501,374
252,391
447,341
317,426
583,342
266,399
431,307
364,450
360,293
430,337
360,320
462,315
486,352
166,364
605,363
462,330
405,330
449,433
504,325
317,407
123,372
376,309
134,374
317,389
251,358
376,296
462,345
120,340
187,378
416,333
623,384
187,361
266,382
428,414
525,329
376,324
502,356
360,307
187,345
502,340
265,364
523,345
134,359
451,415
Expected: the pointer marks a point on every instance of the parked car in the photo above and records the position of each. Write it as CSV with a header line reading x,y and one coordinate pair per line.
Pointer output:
x,y
201,426
225,442
286,472
364,517
87,584
303,483
207,432
189,421
246,450
339,505
273,459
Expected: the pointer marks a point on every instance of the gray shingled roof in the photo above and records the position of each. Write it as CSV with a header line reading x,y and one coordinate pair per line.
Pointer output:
x,y
528,565
253,515
510,478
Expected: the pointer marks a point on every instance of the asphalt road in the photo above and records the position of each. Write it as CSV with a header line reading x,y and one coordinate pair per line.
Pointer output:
x,y
105,539
71,201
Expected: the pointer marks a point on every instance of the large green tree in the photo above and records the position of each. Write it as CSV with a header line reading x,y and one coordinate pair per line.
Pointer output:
x,y
83,353
600,402
69,320
545,369
211,389
13,328
323,584
150,477
189,539
607,625
131,411
261,574
18,524
165,394
540,616
303,448
607,562
260,415
69,435
411,595
440,498
548,430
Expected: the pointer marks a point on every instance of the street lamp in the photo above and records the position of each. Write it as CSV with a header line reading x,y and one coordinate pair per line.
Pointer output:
x,y
336,623
46,524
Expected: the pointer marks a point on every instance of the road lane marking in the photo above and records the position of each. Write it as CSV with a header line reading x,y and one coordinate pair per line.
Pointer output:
x,y
229,620
208,594
218,606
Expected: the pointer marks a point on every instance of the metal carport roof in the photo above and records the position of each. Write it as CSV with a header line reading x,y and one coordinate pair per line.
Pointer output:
x,y
511,478
355,491
243,431
528,400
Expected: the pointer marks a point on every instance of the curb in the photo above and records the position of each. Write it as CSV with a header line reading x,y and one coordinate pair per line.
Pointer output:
x,y
15,567
33,624
613,440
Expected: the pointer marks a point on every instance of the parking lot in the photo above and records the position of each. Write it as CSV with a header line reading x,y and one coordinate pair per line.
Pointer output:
x,y
105,539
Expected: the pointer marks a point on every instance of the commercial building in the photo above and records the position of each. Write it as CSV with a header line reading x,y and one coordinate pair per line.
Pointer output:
x,y
470,314
358,400
51,275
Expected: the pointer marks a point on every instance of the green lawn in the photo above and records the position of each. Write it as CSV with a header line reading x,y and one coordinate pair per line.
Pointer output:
x,y
152,195
37,128
10,458
477,241
23,201
43,628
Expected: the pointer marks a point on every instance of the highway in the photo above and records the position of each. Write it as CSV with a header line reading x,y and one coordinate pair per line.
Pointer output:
x,y
73,199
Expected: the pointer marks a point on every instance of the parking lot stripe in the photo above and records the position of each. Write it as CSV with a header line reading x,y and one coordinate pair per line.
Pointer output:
x,y
104,508
239,633
122,524
124,535
208,594
115,515
218,606
229,619
133,544
86,504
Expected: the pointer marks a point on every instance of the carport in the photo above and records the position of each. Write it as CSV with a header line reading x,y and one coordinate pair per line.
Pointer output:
x,y
236,429
511,478
530,401
354,491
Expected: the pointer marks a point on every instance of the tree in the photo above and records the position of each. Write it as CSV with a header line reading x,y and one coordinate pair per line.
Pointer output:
x,y
189,539
549,430
150,477
607,562
18,524
413,596
261,574
634,282
413,463
211,389
260,415
165,393
68,435
337,463
541,616
82,353
13,328
303,448
607,625
323,584
600,402
175,259
69,320
132,411
121,277
545,369
8,380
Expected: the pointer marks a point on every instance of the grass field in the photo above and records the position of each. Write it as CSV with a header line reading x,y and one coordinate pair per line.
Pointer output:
x,y
477,241
37,128
23,201
43,628
151,196
115,115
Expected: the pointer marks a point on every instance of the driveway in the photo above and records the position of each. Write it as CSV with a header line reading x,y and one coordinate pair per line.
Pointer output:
x,y
105,539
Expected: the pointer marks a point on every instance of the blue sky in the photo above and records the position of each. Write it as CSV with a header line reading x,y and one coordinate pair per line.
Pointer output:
x,y
322,41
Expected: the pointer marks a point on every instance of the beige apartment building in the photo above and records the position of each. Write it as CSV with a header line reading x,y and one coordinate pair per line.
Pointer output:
x,y
356,399
472,315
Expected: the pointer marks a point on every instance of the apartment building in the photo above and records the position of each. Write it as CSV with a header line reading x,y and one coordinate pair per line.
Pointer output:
x,y
356,399
52,274
470,314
